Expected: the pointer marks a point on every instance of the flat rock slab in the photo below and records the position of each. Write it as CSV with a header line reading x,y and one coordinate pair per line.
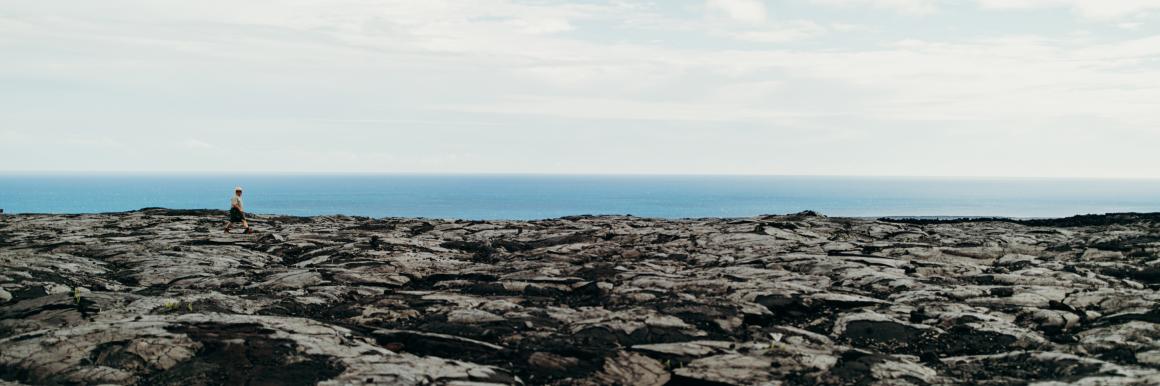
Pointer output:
x,y
222,349
159,297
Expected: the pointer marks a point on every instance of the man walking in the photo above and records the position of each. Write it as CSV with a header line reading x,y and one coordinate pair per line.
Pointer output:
x,y
237,211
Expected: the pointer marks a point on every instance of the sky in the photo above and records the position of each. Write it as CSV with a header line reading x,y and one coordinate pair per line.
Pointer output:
x,y
1007,88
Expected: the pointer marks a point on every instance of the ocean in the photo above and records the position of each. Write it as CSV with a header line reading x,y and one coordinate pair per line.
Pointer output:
x,y
526,197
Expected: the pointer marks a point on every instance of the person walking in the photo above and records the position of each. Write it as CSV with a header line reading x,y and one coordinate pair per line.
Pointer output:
x,y
237,211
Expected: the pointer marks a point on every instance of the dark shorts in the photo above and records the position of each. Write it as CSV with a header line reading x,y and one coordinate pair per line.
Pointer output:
x,y
236,215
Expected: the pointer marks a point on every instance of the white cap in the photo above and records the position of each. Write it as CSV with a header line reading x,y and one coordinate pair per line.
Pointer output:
x,y
237,188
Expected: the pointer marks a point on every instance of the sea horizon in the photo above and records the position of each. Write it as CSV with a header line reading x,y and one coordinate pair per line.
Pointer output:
x,y
82,173
515,196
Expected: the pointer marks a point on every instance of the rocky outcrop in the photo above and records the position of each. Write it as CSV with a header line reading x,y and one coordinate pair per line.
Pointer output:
x,y
162,296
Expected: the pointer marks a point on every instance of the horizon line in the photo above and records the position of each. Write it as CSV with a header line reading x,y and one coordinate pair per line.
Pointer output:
x,y
548,174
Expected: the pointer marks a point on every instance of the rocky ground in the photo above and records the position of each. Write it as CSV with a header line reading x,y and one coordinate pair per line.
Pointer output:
x,y
164,297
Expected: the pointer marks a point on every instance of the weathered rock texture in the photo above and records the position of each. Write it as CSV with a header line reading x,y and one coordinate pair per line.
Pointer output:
x,y
164,297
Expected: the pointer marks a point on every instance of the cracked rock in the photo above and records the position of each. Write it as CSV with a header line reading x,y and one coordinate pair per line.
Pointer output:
x,y
161,297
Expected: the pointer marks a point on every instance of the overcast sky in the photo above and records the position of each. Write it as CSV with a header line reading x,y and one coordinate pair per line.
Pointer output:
x,y
1050,88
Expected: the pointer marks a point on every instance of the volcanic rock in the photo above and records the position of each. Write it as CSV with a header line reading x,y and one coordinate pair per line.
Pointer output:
x,y
161,296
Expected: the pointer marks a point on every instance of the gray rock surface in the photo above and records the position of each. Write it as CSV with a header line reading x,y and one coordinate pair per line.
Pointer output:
x,y
163,297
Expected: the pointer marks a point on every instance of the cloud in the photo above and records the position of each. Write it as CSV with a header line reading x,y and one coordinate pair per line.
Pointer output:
x,y
351,81
779,33
197,144
750,11
541,26
94,142
1091,9
629,109
916,7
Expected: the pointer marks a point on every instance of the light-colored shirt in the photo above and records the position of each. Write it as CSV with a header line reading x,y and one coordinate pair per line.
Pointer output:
x,y
236,200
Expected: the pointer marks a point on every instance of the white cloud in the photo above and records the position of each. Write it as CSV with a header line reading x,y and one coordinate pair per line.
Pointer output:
x,y
197,144
93,142
384,85
780,33
630,109
751,11
542,26
917,7
1091,9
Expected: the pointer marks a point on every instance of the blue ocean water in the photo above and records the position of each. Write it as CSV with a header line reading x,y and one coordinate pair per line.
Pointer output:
x,y
546,196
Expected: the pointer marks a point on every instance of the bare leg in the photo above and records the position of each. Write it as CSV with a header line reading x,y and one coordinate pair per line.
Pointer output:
x,y
246,225
228,226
